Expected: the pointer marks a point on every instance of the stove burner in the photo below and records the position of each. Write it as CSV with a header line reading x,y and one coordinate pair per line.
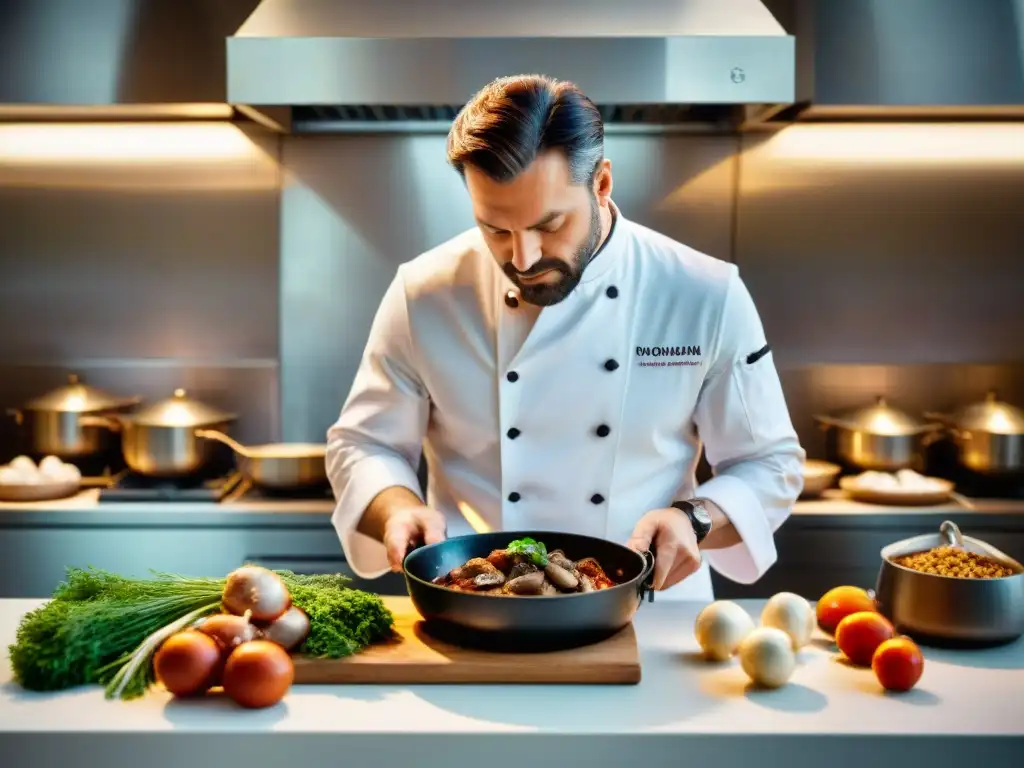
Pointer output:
x,y
134,487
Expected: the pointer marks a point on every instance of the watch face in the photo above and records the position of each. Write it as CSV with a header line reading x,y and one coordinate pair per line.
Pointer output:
x,y
701,514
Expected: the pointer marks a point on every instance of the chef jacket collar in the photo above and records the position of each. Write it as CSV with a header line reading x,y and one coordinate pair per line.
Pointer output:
x,y
610,253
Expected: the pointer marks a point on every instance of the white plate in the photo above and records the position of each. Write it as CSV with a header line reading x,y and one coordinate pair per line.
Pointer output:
x,y
899,496
38,491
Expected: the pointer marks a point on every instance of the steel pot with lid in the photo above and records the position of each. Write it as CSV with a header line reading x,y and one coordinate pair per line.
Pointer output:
x,y
160,439
880,437
989,435
54,424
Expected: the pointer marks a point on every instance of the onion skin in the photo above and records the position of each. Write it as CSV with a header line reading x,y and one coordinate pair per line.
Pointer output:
x,y
256,589
187,663
228,630
258,674
289,629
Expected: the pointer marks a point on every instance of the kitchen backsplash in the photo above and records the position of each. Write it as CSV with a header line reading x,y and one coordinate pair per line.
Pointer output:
x,y
884,259
143,257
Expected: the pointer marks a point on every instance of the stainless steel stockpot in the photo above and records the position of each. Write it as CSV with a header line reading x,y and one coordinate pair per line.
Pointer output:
x,y
160,440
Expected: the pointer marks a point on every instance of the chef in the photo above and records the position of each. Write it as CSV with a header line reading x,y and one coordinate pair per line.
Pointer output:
x,y
561,367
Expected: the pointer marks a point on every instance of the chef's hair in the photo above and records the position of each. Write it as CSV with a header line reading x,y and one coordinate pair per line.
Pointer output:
x,y
507,123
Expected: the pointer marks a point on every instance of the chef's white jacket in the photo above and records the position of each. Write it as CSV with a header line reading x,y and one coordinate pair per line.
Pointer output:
x,y
597,418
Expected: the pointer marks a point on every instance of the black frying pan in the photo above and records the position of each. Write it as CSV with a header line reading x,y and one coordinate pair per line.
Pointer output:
x,y
532,623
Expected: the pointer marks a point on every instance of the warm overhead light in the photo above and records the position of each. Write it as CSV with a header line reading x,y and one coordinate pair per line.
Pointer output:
x,y
901,143
113,143
198,111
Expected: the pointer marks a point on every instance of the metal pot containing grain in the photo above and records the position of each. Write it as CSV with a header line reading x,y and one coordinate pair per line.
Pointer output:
x,y
160,440
278,466
880,437
989,436
945,588
53,423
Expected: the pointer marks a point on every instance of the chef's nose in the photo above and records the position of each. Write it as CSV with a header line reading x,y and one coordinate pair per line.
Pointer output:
x,y
526,250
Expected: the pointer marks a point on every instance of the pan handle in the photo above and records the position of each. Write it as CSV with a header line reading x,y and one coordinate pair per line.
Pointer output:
x,y
647,576
220,437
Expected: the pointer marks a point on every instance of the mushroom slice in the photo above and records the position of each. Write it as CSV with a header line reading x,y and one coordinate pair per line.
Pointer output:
x,y
475,574
560,577
558,558
548,589
484,580
527,584
521,569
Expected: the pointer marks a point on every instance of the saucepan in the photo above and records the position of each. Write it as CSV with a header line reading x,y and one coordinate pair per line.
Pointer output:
x,y
946,607
277,465
989,436
54,425
880,437
159,440
528,622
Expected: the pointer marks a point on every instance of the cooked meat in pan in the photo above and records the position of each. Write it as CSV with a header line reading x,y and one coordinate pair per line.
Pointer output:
x,y
526,568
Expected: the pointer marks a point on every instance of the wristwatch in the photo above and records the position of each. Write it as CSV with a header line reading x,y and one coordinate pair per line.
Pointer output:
x,y
699,516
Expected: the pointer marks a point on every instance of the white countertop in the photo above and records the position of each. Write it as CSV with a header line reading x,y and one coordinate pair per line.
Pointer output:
x,y
962,693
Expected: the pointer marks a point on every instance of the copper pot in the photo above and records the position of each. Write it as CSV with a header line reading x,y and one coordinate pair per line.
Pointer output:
x,y
989,436
53,422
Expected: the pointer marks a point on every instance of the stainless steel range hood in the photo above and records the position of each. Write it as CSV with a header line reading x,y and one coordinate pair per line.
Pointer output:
x,y
338,62
83,59
906,60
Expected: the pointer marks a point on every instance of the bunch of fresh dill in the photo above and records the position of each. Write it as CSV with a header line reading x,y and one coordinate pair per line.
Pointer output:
x,y
98,621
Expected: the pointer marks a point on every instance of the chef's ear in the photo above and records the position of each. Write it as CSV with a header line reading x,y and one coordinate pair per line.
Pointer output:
x,y
603,182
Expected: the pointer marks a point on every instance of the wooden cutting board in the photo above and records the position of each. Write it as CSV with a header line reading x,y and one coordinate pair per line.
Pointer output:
x,y
416,658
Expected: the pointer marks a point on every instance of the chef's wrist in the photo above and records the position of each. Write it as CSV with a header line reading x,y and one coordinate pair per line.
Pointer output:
x,y
722,533
375,517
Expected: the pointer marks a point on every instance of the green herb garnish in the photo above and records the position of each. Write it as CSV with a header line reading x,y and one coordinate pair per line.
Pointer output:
x,y
534,550
96,627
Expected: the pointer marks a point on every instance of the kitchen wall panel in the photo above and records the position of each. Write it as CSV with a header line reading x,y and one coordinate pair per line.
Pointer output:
x,y
896,244
143,255
917,389
355,207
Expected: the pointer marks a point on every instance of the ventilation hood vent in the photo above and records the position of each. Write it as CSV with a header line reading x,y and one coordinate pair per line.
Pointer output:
x,y
396,63
623,118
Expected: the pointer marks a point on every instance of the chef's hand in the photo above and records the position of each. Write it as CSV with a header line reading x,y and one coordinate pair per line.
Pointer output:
x,y
409,525
669,534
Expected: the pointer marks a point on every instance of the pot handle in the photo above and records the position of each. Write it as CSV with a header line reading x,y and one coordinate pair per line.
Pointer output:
x,y
951,533
106,422
220,437
647,577
17,415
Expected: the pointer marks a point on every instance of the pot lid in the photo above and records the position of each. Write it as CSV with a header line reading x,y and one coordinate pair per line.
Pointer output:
x,y
76,397
180,411
991,415
880,418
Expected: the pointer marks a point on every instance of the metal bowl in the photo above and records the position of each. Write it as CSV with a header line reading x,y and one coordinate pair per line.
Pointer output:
x,y
528,623
944,610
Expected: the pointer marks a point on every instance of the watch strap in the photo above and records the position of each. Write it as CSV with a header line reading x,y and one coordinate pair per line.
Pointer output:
x,y
701,521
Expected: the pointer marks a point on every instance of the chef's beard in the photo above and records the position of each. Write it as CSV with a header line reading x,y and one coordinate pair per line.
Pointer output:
x,y
546,294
